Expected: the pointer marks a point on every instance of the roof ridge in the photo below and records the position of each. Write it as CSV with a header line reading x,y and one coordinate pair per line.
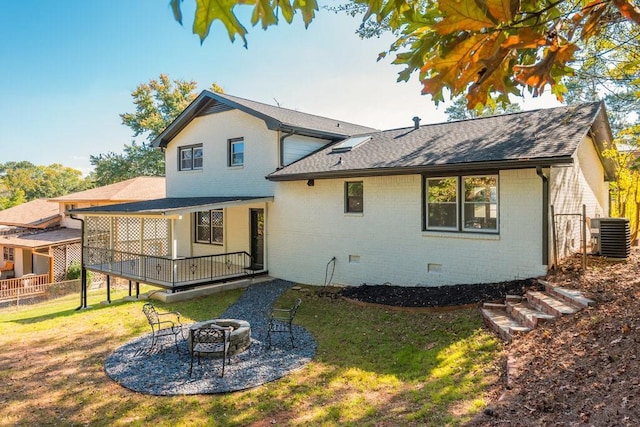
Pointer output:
x,y
291,110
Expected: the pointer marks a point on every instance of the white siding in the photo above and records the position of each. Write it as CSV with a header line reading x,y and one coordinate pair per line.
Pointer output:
x,y
216,178
307,226
296,147
573,186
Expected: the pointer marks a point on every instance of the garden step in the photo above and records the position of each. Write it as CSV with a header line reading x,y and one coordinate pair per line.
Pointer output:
x,y
498,320
571,296
549,304
527,315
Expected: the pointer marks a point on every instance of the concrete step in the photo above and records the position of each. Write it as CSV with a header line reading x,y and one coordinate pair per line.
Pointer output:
x,y
498,320
548,304
571,296
527,315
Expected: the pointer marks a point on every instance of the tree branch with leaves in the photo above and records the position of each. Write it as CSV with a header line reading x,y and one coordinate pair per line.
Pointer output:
x,y
481,48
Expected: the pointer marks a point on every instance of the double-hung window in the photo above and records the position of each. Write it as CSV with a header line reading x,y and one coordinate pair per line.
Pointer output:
x,y
462,203
236,152
210,227
8,254
190,158
354,197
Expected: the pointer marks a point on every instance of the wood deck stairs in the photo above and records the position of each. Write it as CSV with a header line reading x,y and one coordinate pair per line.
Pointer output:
x,y
520,314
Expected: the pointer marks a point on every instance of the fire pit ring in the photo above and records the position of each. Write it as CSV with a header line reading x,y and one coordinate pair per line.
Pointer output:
x,y
240,338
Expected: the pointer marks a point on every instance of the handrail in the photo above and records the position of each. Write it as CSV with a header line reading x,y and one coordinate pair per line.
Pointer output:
x,y
165,271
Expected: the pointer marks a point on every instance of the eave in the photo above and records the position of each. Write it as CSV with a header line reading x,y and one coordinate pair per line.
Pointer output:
x,y
430,169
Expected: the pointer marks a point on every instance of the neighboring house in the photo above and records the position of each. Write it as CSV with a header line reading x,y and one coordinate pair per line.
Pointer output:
x,y
31,237
253,187
131,190
38,238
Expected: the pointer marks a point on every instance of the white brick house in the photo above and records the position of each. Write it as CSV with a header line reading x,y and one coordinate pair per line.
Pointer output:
x,y
458,202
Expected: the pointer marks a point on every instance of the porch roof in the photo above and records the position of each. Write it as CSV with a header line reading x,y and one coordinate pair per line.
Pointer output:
x,y
170,206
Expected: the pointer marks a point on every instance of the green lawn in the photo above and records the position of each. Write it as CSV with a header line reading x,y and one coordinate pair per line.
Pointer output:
x,y
373,367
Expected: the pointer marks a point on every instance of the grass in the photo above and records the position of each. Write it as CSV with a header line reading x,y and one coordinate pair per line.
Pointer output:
x,y
373,367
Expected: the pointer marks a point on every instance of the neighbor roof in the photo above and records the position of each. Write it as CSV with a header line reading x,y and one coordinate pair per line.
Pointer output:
x,y
276,118
510,141
42,239
39,213
140,188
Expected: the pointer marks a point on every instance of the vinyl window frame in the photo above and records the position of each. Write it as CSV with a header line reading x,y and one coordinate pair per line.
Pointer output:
x,y
491,206
215,233
235,158
353,203
195,158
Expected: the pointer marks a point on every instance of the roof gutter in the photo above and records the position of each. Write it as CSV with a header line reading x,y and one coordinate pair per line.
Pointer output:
x,y
433,170
545,215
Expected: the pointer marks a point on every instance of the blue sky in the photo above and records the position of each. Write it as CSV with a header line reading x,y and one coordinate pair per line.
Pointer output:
x,y
68,70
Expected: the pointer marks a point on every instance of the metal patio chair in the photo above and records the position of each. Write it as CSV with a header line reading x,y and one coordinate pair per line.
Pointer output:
x,y
212,340
161,327
281,320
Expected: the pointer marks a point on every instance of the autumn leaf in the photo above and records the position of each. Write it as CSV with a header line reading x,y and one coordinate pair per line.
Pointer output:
x,y
503,10
263,12
538,75
628,10
526,38
462,15
455,68
209,10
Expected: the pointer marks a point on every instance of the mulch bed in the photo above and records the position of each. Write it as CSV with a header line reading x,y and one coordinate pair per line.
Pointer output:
x,y
438,296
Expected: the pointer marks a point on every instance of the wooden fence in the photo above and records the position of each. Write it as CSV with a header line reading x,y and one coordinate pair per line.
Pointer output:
x,y
23,287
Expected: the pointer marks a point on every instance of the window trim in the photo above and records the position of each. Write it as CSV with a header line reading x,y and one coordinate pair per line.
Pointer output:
x,y
8,254
210,240
192,149
230,153
460,203
347,197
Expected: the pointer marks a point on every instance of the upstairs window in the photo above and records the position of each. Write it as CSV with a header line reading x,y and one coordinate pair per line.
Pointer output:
x,y
354,197
210,227
462,203
236,152
190,158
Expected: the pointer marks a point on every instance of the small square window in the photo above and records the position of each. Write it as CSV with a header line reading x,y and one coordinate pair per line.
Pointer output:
x,y
354,197
236,152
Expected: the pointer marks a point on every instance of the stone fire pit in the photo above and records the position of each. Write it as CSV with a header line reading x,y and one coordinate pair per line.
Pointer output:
x,y
240,338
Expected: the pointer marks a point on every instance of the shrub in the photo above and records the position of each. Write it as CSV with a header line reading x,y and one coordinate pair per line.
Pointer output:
x,y
74,271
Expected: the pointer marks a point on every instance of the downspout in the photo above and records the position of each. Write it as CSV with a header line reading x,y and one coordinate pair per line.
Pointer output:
x,y
545,215
282,138
83,271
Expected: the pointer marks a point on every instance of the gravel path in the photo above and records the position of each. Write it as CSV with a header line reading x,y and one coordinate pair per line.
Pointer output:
x,y
166,372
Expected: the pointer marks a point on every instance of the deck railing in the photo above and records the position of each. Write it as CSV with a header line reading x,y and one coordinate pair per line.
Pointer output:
x,y
25,286
164,271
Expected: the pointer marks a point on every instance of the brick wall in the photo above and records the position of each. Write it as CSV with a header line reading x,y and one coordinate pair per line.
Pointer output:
x,y
308,226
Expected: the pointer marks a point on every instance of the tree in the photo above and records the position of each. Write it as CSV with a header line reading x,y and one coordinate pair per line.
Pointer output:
x,y
458,110
157,103
135,160
23,181
479,48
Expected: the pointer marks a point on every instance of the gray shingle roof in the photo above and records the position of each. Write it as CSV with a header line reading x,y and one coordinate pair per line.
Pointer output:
x,y
540,137
276,118
170,205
